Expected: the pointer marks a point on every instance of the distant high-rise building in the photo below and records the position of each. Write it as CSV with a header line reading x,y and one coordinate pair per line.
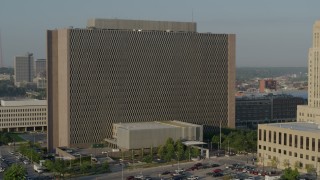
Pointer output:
x,y
40,66
23,69
136,71
311,112
267,85
1,55
254,110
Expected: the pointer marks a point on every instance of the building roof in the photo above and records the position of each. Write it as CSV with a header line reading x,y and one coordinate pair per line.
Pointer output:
x,y
24,102
141,25
154,125
298,126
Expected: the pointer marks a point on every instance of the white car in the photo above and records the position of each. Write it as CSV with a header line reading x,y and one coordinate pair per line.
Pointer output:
x,y
26,162
1,169
193,178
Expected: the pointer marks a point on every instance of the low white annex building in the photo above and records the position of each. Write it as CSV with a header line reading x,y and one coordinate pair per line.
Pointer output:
x,y
153,134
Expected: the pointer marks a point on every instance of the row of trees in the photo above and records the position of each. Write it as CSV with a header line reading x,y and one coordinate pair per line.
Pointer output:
x,y
176,150
32,151
7,88
62,167
5,138
237,140
15,172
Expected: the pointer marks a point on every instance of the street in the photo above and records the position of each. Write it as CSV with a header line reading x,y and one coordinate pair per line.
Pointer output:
x,y
155,172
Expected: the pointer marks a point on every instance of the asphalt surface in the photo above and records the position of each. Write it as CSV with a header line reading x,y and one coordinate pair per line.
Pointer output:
x,y
155,172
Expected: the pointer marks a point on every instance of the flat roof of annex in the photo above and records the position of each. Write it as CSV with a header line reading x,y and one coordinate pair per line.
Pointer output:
x,y
145,25
156,125
297,126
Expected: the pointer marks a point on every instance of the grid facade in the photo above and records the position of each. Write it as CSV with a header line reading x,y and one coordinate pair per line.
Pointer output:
x,y
23,69
115,76
27,117
40,66
251,111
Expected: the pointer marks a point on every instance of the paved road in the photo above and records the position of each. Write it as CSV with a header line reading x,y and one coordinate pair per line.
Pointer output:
x,y
155,171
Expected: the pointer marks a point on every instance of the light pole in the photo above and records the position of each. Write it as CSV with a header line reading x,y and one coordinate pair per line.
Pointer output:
x,y
178,160
91,159
80,159
121,171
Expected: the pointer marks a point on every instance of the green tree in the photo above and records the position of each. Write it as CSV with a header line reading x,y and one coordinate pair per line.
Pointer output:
x,y
161,152
105,166
85,167
195,152
290,174
179,148
147,159
187,153
15,172
215,140
60,166
169,152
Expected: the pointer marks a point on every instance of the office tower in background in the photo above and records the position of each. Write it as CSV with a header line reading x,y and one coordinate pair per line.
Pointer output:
x,y
23,69
40,67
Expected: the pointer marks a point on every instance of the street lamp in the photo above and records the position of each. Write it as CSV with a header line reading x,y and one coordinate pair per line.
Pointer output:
x,y
178,160
121,171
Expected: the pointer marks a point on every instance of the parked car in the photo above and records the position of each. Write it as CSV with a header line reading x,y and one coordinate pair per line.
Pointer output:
x,y
165,172
219,174
217,170
193,178
215,165
130,178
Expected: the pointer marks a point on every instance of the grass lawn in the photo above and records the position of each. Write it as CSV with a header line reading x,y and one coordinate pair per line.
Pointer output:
x,y
16,137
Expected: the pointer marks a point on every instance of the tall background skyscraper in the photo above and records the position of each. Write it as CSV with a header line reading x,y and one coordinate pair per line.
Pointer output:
x,y
311,112
23,69
40,66
1,55
136,71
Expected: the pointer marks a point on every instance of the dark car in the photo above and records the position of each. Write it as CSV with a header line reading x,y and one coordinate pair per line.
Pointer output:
x,y
217,170
130,178
215,165
217,174
178,177
165,173
198,164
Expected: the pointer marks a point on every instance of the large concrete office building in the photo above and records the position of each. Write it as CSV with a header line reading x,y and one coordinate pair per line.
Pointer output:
x,y
136,71
298,143
23,69
23,115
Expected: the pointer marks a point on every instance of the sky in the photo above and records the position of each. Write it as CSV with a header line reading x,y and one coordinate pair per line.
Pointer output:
x,y
269,33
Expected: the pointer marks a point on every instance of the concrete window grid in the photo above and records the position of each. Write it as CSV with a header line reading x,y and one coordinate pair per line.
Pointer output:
x,y
114,65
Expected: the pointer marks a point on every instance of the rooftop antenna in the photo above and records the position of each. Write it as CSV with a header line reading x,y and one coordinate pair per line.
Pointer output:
x,y
192,14
1,55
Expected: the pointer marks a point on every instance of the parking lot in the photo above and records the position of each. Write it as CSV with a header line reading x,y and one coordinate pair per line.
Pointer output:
x,y
8,157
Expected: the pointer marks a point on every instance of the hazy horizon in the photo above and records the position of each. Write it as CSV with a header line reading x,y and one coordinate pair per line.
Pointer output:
x,y
268,33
